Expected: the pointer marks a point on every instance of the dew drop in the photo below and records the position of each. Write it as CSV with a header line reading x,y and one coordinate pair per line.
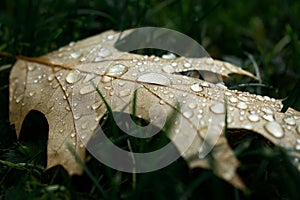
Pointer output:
x,y
298,129
106,79
97,105
125,92
110,37
290,121
233,99
218,108
253,118
242,98
73,135
154,78
192,105
228,93
169,56
274,129
204,84
196,88
168,69
84,125
242,105
31,93
187,114
269,118
87,89
19,98
117,70
75,54
31,67
209,61
267,110
174,64
297,147
73,76
187,64
51,77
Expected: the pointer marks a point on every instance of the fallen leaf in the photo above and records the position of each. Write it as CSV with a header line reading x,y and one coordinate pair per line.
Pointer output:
x,y
59,85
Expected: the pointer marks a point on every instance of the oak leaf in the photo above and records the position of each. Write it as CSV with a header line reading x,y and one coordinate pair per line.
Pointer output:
x,y
60,85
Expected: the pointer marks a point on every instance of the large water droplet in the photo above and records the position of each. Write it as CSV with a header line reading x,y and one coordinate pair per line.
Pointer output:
x,y
218,108
168,69
75,54
196,88
87,89
31,67
290,121
274,129
267,110
269,118
73,76
117,70
253,118
169,56
242,105
154,78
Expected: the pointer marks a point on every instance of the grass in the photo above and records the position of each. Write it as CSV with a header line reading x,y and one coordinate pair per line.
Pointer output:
x,y
247,33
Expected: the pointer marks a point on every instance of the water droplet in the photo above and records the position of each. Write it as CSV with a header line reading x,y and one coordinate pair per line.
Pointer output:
x,y
36,81
242,98
75,54
290,121
228,93
204,84
269,118
19,98
196,88
68,108
169,56
154,78
31,67
242,105
187,64
106,79
297,147
209,61
274,129
117,70
110,37
192,105
156,59
218,108
73,76
73,135
253,118
267,110
187,114
168,69
162,102
84,125
87,89
233,99
97,105
31,93
173,64
102,54
125,92
51,77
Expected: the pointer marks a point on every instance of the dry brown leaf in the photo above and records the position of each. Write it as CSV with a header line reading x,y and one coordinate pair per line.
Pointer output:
x,y
59,85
